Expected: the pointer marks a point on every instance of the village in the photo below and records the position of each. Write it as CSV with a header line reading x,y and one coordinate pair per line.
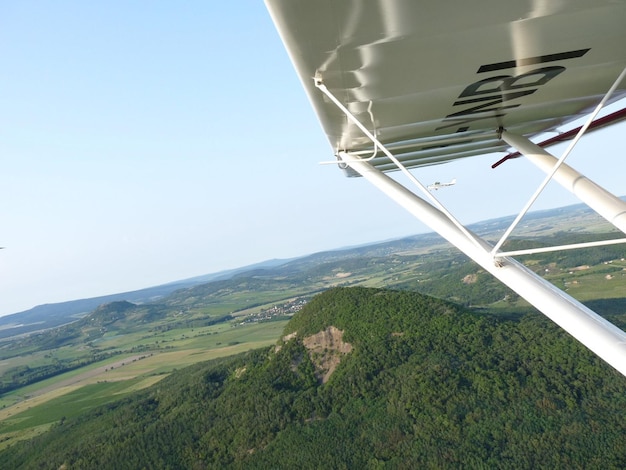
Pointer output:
x,y
280,310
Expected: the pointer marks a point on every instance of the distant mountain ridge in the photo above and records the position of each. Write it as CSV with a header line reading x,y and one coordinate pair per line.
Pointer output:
x,y
51,315
47,316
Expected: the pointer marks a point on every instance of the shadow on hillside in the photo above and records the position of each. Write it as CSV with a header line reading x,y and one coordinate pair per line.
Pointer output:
x,y
613,308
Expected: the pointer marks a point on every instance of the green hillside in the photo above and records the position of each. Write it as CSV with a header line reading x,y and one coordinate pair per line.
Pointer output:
x,y
365,378
136,345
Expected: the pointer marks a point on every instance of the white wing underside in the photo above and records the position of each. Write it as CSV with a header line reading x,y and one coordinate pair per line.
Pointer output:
x,y
435,80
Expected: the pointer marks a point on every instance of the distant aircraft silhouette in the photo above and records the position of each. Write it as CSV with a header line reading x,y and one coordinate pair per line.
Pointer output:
x,y
437,185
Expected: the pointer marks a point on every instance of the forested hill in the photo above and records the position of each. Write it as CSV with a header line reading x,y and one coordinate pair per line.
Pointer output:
x,y
365,378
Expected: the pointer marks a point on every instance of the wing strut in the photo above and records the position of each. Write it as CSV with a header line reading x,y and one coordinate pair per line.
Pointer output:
x,y
596,333
593,331
320,85
600,200
605,121
597,198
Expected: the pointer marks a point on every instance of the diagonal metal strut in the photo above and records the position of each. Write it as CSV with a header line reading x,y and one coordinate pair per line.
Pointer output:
x,y
569,177
593,331
320,85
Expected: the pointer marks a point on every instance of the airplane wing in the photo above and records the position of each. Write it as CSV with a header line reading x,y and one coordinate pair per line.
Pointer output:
x,y
435,80
408,83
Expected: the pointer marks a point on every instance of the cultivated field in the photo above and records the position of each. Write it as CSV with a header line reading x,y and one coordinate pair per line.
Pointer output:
x,y
121,347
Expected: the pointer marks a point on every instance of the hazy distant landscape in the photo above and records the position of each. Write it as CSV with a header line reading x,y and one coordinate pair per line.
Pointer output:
x,y
59,362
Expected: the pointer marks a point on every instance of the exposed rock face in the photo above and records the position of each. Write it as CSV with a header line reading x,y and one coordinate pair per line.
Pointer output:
x,y
470,279
326,350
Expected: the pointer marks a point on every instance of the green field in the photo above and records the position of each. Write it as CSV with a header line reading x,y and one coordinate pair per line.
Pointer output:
x,y
32,409
121,347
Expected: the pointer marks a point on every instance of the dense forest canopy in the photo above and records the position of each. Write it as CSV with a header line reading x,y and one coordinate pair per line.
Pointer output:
x,y
415,382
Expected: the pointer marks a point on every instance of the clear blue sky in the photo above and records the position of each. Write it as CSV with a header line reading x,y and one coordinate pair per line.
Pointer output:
x,y
146,142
